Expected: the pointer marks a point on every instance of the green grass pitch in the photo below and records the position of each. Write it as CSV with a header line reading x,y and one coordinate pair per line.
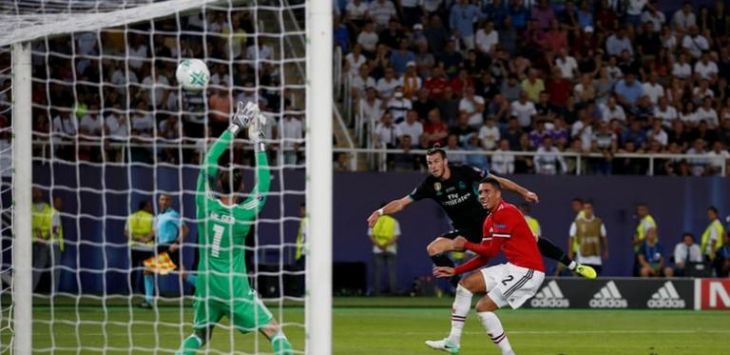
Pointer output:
x,y
390,326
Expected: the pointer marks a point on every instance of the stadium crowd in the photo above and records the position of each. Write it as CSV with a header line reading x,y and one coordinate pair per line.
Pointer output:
x,y
535,77
602,77
95,94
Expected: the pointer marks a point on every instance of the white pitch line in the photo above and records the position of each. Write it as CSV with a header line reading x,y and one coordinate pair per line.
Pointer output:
x,y
525,332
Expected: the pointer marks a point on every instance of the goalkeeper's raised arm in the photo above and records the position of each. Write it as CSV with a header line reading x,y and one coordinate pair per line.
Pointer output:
x,y
246,116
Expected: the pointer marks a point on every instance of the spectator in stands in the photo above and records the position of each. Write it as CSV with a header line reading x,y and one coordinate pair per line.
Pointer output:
x,y
410,81
619,42
652,88
533,85
423,103
487,38
355,15
399,105
436,34
453,145
425,60
658,134
611,111
450,57
686,252
387,84
700,163
473,144
605,142
651,257
400,58
359,82
462,129
435,131
588,233
567,64
292,133
628,91
405,161
585,90
381,11
384,235
583,129
706,68
538,134
684,18
666,113
524,110
371,107
489,134
719,157
712,239
653,16
368,39
47,241
503,161
355,60
473,106
707,113
695,43
548,160
412,128
461,20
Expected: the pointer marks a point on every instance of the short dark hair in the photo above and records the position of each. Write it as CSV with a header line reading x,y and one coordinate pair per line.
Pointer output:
x,y
713,209
229,180
142,204
436,149
577,199
491,181
688,234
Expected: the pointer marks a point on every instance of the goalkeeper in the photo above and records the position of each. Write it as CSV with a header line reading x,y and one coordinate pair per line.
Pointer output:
x,y
222,287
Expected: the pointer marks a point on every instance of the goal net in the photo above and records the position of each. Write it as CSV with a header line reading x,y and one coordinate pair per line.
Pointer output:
x,y
116,150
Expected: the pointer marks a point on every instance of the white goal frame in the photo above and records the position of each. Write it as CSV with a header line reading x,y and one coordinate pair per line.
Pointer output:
x,y
319,94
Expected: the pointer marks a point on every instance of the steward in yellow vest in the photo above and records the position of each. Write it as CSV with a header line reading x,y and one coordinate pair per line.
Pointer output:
x,y
713,236
646,225
140,227
301,234
46,222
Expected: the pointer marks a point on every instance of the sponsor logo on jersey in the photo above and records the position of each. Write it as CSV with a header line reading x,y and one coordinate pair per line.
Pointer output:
x,y
666,297
550,296
608,297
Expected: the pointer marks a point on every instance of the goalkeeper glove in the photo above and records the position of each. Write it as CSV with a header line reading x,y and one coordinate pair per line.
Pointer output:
x,y
245,115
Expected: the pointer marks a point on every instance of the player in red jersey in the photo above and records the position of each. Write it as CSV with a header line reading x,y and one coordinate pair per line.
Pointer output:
x,y
511,283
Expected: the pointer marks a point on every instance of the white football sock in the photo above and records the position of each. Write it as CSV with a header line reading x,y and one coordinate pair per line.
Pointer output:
x,y
495,331
459,311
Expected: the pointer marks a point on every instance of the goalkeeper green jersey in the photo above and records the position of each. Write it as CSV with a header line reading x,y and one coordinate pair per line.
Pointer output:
x,y
222,230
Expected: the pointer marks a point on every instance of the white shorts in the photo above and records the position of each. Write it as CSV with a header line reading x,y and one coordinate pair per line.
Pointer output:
x,y
509,284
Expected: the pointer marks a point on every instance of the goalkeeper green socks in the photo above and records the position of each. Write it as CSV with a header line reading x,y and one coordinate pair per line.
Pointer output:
x,y
281,344
190,345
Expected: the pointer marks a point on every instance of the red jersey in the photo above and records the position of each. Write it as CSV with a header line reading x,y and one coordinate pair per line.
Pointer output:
x,y
506,230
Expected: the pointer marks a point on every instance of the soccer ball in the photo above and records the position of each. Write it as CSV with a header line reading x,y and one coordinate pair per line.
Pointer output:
x,y
192,74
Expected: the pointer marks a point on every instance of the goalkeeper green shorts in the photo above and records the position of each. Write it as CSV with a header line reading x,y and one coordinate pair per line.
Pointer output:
x,y
246,314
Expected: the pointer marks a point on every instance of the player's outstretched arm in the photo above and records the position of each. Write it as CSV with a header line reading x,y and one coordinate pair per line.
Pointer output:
x,y
241,119
510,185
392,207
257,198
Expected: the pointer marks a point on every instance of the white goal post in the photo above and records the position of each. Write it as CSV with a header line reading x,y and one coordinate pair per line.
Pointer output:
x,y
20,31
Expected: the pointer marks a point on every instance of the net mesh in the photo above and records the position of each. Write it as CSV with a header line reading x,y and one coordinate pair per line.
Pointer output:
x,y
113,130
